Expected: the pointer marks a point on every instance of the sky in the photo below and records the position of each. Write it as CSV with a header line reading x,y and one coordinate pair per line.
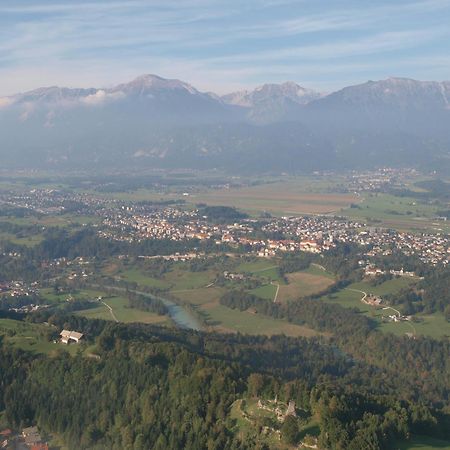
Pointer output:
x,y
221,45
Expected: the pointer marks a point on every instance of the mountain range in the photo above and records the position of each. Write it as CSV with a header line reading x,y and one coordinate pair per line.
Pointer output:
x,y
162,123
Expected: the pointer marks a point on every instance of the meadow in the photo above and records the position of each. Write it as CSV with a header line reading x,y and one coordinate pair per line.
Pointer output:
x,y
433,325
33,337
401,213
199,290
423,443
122,312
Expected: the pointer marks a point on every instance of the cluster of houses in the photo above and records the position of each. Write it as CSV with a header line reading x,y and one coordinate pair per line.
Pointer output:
x,y
234,276
372,271
29,439
313,234
377,180
19,289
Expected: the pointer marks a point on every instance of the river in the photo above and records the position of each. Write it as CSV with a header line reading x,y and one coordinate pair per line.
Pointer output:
x,y
180,316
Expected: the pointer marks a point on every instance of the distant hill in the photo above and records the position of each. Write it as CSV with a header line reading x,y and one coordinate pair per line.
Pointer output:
x,y
157,122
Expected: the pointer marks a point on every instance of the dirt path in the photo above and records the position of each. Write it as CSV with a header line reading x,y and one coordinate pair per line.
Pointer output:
x,y
361,292
111,311
265,268
276,293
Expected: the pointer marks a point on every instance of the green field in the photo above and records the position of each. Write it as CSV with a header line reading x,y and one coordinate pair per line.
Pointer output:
x,y
402,213
33,337
291,197
53,220
423,443
226,319
267,291
122,312
198,290
433,325
135,275
29,241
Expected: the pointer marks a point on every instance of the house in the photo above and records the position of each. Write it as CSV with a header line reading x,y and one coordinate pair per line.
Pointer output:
x,y
31,436
5,435
67,336
40,446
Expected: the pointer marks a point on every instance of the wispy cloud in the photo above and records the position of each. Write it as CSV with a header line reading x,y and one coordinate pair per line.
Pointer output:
x,y
217,43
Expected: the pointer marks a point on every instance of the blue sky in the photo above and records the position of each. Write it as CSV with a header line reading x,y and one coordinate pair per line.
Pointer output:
x,y
221,45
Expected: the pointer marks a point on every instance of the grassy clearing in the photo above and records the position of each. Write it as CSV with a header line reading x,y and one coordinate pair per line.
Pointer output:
x,y
388,287
29,241
83,294
121,311
247,425
53,220
432,325
230,320
302,284
266,292
180,279
261,267
315,269
423,443
32,337
198,297
139,277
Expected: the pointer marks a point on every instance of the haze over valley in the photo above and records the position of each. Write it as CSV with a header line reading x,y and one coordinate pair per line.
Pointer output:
x,y
159,123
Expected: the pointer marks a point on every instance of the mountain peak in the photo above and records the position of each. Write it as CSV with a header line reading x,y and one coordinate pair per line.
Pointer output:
x,y
53,94
148,82
270,92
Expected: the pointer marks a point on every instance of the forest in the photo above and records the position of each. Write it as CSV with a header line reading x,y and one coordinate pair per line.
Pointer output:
x,y
161,388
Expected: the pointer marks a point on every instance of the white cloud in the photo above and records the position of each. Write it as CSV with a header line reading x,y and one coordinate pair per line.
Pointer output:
x,y
214,44
101,96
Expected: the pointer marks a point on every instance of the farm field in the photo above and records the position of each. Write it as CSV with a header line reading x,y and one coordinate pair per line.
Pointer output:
x,y
29,241
53,220
82,294
279,198
402,213
302,284
223,319
139,277
198,289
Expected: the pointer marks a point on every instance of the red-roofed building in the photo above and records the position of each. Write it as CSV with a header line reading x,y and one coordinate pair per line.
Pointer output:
x,y
39,447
